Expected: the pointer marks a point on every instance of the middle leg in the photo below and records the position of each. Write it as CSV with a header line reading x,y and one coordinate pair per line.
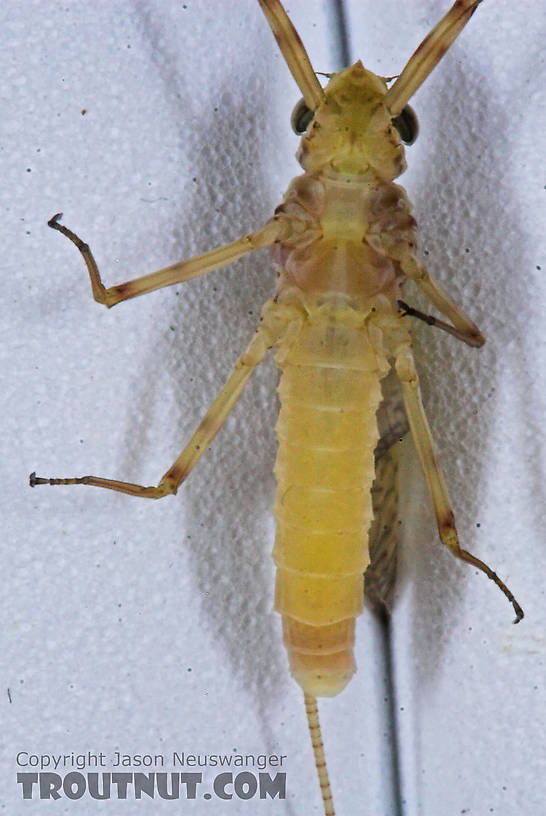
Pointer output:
x,y
200,440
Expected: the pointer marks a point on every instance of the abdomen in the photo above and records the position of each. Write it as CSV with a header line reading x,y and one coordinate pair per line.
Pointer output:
x,y
330,392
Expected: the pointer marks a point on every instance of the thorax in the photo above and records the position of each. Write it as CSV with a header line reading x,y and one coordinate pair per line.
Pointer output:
x,y
346,225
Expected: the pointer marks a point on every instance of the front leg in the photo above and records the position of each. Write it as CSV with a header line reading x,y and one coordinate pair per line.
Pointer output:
x,y
278,228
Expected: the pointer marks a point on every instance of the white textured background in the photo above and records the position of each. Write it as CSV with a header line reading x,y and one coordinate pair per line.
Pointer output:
x,y
147,626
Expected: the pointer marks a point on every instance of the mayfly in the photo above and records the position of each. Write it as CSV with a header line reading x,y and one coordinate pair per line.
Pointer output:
x,y
344,245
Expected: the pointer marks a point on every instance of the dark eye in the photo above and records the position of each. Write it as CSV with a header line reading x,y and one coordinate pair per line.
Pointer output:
x,y
407,125
301,118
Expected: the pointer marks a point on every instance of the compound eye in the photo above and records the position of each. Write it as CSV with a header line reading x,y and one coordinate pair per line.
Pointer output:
x,y
407,125
301,118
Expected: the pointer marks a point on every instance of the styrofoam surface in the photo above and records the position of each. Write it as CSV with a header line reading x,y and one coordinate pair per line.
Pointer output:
x,y
147,626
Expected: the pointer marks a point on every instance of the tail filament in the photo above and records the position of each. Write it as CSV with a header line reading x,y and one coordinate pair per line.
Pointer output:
x,y
318,750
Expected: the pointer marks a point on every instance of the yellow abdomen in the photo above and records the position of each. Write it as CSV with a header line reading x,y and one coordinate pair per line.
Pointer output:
x,y
330,392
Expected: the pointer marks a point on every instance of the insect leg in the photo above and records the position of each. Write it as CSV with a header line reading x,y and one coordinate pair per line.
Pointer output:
x,y
274,230
422,436
430,320
199,442
463,328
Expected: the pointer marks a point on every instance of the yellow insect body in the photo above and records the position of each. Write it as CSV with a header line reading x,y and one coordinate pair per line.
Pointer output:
x,y
341,277
325,468
343,244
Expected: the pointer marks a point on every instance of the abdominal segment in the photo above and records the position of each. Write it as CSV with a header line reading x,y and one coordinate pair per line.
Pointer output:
x,y
330,392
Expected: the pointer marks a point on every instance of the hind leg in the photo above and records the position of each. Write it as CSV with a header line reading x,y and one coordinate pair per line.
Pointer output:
x,y
422,437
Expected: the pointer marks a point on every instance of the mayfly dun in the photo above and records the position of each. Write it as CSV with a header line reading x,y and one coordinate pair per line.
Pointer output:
x,y
344,245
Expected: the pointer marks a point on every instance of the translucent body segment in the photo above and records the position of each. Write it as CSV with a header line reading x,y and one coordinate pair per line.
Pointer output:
x,y
328,387
326,344
328,468
319,552
317,599
331,511
318,639
328,666
321,657
335,429
323,675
